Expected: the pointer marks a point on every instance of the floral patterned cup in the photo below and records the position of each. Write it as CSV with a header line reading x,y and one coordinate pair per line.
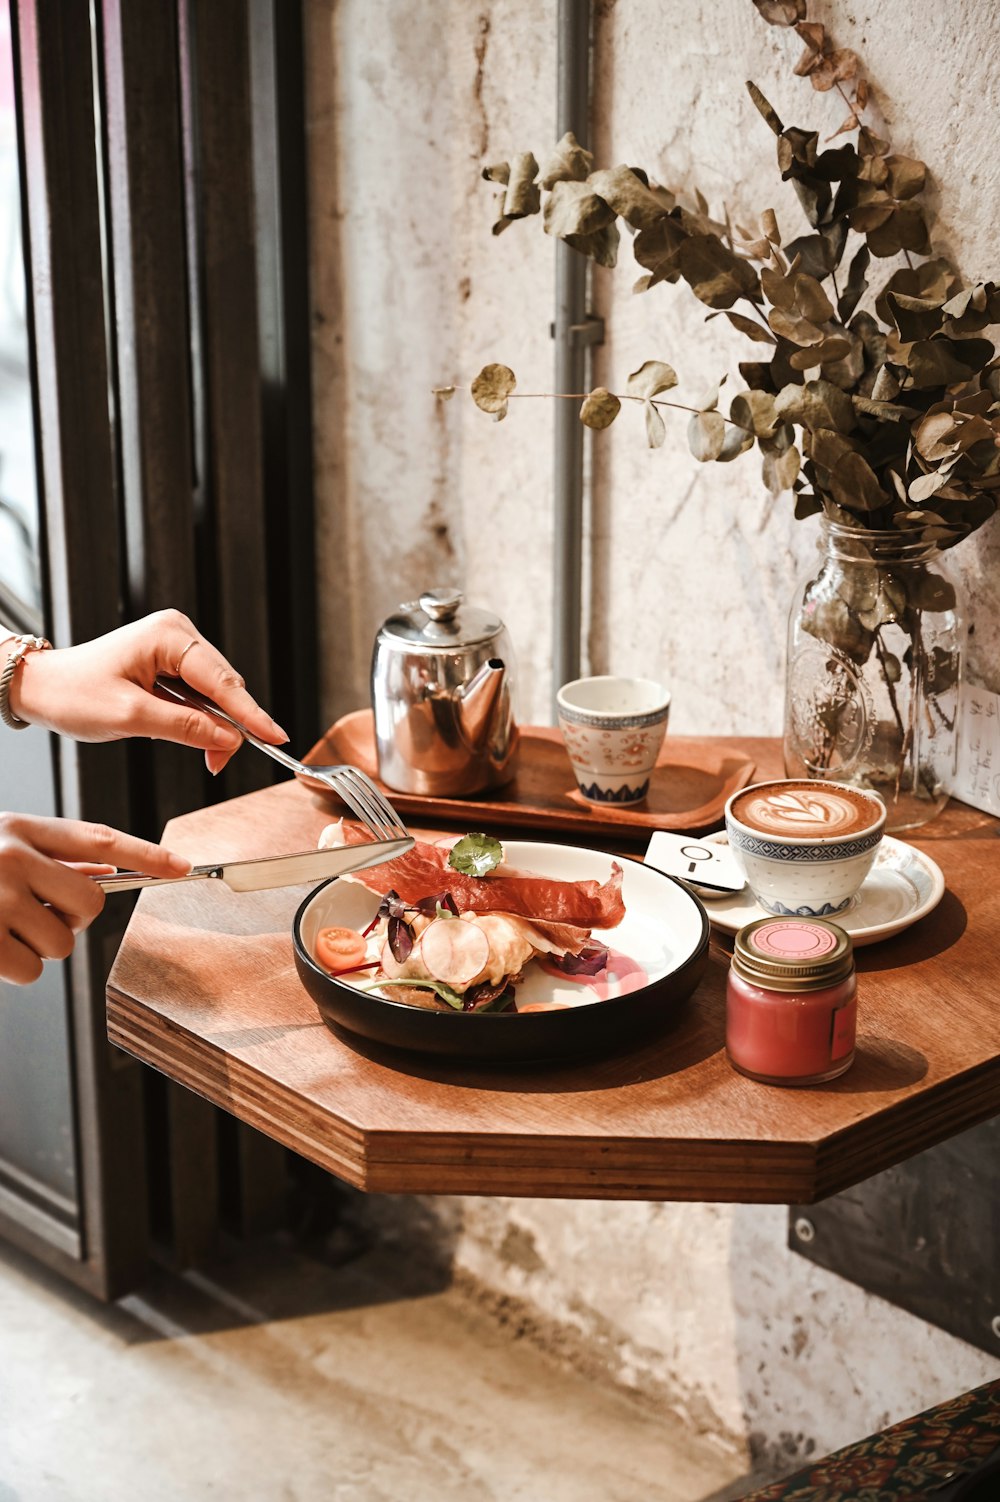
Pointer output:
x,y
613,729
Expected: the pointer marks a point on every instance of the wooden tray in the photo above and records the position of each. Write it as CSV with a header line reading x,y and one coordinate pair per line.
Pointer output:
x,y
688,789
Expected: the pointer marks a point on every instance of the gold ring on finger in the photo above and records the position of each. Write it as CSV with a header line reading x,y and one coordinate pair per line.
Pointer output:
x,y
192,643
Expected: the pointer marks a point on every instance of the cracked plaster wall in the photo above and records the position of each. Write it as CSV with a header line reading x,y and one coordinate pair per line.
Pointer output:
x,y
690,568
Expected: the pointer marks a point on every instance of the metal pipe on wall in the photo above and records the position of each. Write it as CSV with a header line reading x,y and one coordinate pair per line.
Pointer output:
x,y
572,332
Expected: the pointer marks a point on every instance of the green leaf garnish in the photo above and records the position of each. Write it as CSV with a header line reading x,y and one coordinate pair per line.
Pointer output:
x,y
446,993
476,855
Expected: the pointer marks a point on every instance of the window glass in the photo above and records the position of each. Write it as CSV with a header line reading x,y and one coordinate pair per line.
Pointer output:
x,y
19,560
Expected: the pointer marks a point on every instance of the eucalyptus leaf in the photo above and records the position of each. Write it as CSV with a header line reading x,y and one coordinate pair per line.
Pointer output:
x,y
656,429
856,284
569,162
931,592
815,255
854,485
816,404
715,275
710,401
833,68
600,408
906,229
601,245
781,470
932,437
626,193
810,298
944,362
830,349
523,196
884,411
755,410
755,331
925,486
491,388
794,327
656,248
781,12
652,377
574,208
807,504
906,176
766,110
706,435
737,440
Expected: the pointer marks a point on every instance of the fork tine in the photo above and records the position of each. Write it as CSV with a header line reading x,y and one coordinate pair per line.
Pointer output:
x,y
331,776
381,802
388,823
356,794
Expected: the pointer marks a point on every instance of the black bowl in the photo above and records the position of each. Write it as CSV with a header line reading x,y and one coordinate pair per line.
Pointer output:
x,y
666,929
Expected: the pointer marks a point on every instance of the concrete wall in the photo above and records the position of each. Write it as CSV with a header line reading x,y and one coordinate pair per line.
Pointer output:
x,y
690,568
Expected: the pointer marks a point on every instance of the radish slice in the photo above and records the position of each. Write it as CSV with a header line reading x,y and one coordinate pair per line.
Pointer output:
x,y
454,952
390,965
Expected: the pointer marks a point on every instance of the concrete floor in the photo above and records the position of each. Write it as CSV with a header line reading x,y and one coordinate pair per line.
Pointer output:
x,y
280,1378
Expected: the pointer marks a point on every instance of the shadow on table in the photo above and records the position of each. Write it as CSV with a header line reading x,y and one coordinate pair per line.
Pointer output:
x,y
697,1034
938,932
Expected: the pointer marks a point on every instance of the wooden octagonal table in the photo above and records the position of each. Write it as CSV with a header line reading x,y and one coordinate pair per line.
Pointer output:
x,y
204,989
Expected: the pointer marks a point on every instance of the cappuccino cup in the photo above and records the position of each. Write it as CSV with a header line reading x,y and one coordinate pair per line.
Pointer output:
x,y
805,846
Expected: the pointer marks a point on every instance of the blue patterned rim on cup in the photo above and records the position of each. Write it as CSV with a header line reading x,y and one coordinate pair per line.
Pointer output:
x,y
772,850
613,729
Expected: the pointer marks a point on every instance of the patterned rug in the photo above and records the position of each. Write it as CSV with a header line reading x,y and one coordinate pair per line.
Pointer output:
x,y
947,1454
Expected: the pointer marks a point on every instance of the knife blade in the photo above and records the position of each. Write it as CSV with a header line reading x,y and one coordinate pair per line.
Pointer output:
x,y
271,870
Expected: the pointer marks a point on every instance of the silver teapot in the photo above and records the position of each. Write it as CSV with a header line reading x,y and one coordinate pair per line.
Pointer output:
x,y
442,691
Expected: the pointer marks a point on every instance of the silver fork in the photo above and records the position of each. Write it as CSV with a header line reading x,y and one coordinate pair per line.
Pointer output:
x,y
355,788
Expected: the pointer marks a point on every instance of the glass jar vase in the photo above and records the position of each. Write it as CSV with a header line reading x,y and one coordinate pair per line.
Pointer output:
x,y
875,646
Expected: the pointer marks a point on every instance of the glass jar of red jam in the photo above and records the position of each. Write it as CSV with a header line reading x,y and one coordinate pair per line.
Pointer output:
x,y
791,1008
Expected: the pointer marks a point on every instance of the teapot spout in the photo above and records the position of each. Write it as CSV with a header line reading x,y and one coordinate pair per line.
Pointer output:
x,y
478,702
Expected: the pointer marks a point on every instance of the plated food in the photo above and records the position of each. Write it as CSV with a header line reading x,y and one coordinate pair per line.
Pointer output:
x,y
505,965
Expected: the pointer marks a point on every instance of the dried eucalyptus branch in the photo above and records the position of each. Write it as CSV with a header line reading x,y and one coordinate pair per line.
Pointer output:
x,y
887,418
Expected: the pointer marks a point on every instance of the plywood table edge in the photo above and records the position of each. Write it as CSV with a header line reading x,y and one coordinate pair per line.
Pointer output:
x,y
242,1097
916,1122
722,1170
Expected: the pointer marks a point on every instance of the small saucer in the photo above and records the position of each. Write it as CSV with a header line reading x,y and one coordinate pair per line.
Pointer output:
x,y
902,886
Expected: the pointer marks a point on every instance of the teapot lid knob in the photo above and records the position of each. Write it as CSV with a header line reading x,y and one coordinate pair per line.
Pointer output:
x,y
441,604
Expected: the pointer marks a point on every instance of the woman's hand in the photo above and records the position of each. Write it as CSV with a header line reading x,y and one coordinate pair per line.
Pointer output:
x,y
103,690
45,902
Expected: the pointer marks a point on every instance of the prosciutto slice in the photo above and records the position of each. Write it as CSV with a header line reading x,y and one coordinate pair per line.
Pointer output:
x,y
425,869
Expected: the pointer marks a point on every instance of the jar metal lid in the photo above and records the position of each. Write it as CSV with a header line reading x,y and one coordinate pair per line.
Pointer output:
x,y
440,620
793,954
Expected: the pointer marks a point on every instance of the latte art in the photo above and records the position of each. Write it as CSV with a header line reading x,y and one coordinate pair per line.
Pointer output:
x,y
806,810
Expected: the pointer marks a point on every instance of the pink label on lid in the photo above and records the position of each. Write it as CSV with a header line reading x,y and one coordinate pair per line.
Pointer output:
x,y
794,939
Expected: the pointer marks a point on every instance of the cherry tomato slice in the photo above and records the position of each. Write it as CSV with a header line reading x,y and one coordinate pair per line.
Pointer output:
x,y
340,948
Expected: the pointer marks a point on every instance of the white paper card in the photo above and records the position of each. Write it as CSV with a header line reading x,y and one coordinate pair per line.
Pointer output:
x,y
977,774
703,863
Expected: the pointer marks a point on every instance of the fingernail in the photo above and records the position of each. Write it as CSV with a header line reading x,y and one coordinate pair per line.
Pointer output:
x,y
226,739
179,864
278,730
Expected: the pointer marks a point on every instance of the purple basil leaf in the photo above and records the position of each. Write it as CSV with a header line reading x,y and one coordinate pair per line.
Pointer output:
x,y
590,961
430,905
400,936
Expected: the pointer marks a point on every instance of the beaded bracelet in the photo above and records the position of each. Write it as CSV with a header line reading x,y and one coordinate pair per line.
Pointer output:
x,y
24,645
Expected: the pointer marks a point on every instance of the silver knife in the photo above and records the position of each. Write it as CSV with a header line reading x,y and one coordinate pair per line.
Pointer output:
x,y
272,870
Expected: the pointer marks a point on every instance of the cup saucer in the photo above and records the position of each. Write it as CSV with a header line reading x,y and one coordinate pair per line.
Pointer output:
x,y
902,886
